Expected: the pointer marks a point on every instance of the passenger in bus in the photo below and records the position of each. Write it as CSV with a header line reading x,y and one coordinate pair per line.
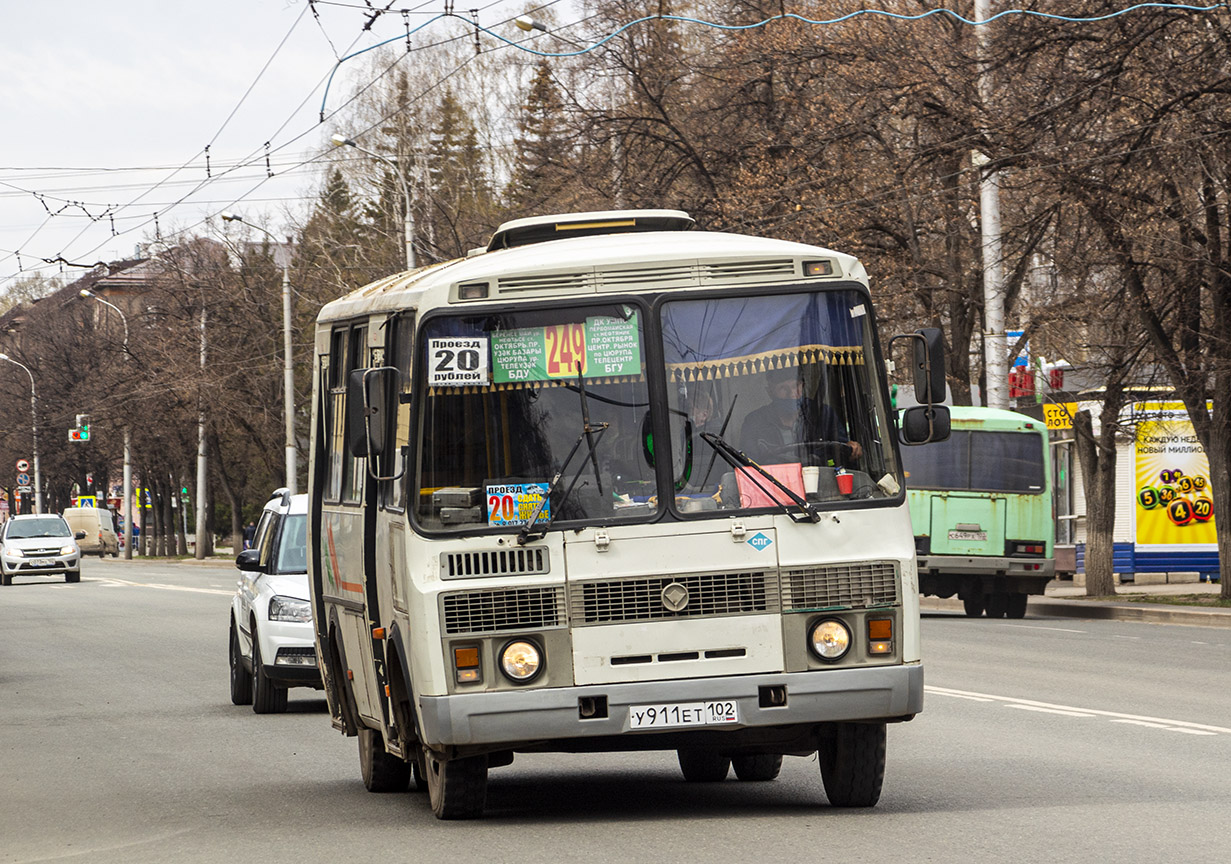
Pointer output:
x,y
781,430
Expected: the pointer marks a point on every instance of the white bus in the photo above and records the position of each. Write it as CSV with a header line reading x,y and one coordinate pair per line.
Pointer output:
x,y
611,483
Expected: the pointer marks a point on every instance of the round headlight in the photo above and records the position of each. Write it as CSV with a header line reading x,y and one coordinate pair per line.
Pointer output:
x,y
830,639
521,660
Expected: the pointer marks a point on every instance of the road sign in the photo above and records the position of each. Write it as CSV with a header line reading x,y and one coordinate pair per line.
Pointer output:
x,y
1059,415
23,479
23,465
24,489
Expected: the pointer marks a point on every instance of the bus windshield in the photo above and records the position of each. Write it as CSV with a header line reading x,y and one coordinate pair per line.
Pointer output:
x,y
978,461
783,380
505,408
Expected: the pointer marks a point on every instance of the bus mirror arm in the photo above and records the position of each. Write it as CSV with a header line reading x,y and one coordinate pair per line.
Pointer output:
x,y
929,420
368,388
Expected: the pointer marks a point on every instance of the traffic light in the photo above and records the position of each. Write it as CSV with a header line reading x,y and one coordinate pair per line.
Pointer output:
x,y
82,430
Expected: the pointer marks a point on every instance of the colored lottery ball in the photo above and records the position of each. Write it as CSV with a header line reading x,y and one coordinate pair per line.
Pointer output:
x,y
1166,494
1185,485
1181,512
1170,475
1199,482
1147,497
1203,509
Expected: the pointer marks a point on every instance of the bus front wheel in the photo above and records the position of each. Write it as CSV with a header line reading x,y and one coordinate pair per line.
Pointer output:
x,y
380,769
853,764
457,788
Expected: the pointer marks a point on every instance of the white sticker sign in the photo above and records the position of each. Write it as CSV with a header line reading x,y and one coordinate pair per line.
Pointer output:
x,y
457,362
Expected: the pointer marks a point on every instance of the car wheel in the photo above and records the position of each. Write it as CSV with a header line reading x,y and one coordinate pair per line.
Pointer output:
x,y
758,768
457,788
6,578
72,577
267,697
703,766
241,678
381,770
853,764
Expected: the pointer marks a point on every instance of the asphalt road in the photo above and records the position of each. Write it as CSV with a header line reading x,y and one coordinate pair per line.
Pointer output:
x,y
1041,740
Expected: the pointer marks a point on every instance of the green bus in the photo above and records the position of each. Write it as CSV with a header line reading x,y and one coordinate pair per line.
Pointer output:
x,y
981,508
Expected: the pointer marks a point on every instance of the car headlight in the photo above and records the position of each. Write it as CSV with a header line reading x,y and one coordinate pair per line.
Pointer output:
x,y
16,553
289,609
67,550
521,660
830,639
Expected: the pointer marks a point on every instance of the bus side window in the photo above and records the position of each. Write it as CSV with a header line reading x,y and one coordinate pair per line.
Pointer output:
x,y
335,403
353,471
393,463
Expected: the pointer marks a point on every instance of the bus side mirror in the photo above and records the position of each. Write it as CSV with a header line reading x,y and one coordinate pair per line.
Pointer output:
x,y
366,392
924,424
929,366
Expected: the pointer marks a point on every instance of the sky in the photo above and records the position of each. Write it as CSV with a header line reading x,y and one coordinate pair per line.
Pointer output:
x,y
110,105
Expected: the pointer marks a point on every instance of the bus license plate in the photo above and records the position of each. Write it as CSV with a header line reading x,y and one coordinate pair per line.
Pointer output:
x,y
682,714
968,535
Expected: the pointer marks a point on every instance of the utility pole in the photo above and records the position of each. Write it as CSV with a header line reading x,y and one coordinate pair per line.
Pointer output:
x,y
995,351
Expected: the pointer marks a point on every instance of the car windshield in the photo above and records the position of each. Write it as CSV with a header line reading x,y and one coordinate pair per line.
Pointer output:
x,y
25,529
505,407
293,546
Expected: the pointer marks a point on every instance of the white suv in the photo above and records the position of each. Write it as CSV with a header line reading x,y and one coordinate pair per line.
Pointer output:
x,y
34,545
271,643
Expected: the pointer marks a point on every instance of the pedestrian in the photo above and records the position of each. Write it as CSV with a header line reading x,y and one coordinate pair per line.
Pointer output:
x,y
249,535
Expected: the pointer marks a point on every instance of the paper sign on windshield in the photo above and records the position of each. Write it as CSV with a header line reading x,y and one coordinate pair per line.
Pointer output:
x,y
513,503
457,362
597,348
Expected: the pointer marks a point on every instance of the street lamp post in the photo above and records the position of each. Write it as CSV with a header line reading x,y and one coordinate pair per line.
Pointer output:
x,y
38,478
127,506
288,368
408,225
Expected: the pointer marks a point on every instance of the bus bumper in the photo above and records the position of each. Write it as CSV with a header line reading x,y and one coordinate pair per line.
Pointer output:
x,y
986,565
509,717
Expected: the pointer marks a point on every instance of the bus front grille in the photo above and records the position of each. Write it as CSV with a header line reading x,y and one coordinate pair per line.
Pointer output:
x,y
840,586
648,598
495,562
502,609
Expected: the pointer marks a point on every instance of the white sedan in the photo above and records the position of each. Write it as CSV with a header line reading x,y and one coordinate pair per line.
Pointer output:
x,y
271,643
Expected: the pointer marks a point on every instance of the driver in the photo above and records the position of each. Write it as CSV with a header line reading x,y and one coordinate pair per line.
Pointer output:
x,y
789,419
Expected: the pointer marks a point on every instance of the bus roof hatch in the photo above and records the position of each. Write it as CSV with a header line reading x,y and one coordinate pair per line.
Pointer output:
x,y
539,229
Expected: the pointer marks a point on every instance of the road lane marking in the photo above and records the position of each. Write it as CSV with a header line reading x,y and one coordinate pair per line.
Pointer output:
x,y
1165,726
162,587
1050,710
1051,707
1057,629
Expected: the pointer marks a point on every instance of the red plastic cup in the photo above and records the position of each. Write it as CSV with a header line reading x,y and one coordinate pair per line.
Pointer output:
x,y
846,483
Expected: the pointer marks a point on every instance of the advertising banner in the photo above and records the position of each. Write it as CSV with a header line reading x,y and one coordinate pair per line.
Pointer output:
x,y
1174,503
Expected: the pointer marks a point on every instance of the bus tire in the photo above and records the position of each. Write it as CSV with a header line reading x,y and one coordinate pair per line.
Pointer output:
x,y
997,605
758,768
1016,606
456,788
703,766
241,678
853,764
380,769
973,606
267,697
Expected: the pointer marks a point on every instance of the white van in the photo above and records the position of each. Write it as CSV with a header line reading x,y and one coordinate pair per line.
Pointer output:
x,y
100,538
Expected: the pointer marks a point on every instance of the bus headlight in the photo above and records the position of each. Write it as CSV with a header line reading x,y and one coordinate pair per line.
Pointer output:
x,y
830,639
520,661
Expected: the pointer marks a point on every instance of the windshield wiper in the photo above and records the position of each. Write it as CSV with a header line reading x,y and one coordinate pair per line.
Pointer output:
x,y
591,434
738,459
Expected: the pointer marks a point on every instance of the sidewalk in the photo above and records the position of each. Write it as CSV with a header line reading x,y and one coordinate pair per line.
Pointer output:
x,y
1062,600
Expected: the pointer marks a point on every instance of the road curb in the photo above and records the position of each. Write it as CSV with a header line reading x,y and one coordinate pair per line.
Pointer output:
x,y
1151,613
